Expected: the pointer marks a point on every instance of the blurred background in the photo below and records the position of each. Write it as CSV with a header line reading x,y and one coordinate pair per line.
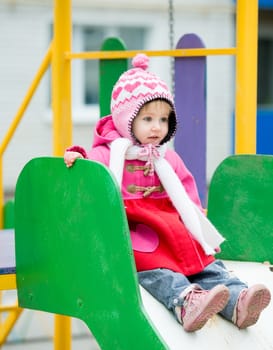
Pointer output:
x,y
26,28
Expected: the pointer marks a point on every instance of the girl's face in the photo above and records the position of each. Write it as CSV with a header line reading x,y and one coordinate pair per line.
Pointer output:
x,y
151,125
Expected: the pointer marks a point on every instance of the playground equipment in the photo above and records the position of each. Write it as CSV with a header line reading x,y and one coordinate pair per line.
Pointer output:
x,y
59,55
71,261
240,205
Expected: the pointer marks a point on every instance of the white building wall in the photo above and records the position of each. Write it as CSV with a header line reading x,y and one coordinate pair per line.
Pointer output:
x,y
24,39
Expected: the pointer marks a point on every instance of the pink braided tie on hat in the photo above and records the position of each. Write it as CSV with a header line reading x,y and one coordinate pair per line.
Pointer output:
x,y
151,152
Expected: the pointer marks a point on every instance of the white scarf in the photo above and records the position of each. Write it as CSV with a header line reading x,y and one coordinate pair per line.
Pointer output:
x,y
194,219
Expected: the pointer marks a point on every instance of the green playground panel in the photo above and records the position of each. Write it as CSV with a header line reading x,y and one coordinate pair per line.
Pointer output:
x,y
73,252
240,204
9,214
110,71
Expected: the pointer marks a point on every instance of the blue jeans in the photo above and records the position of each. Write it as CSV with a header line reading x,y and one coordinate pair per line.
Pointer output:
x,y
168,286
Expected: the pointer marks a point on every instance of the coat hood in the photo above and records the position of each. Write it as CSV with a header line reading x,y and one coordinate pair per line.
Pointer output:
x,y
105,131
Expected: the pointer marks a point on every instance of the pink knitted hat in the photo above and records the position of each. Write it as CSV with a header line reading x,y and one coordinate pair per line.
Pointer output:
x,y
133,89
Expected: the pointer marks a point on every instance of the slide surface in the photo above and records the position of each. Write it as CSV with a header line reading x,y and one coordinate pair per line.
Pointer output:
x,y
218,333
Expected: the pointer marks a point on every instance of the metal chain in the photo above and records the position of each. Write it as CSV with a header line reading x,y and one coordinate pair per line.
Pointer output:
x,y
171,41
171,24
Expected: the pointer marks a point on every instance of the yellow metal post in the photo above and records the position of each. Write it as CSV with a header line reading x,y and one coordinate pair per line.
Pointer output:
x,y
62,122
62,333
246,76
1,194
14,313
61,77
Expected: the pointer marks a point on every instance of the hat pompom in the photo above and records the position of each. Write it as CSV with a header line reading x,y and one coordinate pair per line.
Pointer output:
x,y
141,61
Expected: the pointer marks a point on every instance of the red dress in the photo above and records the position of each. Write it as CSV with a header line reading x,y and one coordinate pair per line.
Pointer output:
x,y
175,248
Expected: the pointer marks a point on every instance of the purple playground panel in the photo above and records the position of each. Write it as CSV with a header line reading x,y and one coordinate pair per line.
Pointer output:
x,y
190,100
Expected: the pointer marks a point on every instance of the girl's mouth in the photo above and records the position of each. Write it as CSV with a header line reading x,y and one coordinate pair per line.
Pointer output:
x,y
154,139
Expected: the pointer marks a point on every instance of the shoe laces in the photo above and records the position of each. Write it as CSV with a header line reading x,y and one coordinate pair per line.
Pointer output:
x,y
192,300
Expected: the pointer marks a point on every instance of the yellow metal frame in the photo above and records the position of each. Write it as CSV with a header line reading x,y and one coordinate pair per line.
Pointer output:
x,y
129,54
13,313
8,282
246,76
59,55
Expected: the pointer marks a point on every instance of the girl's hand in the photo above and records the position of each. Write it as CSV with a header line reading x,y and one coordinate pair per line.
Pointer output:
x,y
70,157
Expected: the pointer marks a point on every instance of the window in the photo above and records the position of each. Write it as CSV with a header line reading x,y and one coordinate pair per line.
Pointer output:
x,y
265,72
265,59
85,73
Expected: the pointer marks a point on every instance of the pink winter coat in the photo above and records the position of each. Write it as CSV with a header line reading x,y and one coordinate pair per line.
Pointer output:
x,y
159,237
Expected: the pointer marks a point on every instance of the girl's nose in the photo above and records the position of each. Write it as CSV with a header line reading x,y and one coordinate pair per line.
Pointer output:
x,y
156,126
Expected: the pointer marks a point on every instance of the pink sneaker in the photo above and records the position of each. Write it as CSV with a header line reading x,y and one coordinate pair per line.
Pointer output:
x,y
200,305
251,303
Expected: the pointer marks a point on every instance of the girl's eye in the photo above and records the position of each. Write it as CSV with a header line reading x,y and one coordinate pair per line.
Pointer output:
x,y
164,119
147,119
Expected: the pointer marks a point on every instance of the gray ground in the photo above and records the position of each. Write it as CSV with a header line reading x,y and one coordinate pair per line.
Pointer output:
x,y
34,330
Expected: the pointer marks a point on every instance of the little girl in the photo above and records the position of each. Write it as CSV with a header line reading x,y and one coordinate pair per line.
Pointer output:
x,y
173,242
